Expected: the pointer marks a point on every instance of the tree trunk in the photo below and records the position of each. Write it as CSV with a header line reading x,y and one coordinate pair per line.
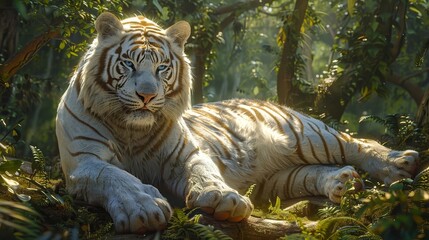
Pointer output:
x,y
414,90
422,117
286,72
334,100
199,72
8,31
201,53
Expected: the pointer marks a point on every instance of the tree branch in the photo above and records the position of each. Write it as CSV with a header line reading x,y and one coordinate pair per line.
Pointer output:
x,y
415,74
395,50
241,6
415,91
15,63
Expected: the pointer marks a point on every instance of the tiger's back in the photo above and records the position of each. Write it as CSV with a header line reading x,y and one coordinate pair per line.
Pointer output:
x,y
251,139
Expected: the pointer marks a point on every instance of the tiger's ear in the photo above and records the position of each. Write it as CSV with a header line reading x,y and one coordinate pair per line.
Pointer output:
x,y
108,25
179,32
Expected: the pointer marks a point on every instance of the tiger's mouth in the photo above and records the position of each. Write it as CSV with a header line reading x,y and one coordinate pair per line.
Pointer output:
x,y
145,108
140,113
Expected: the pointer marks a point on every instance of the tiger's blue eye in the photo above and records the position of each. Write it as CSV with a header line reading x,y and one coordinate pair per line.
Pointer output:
x,y
162,67
129,64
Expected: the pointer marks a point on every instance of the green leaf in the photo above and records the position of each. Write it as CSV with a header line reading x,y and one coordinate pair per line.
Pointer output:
x,y
414,9
255,90
157,5
13,213
19,227
329,227
21,8
10,166
351,6
10,182
23,197
62,45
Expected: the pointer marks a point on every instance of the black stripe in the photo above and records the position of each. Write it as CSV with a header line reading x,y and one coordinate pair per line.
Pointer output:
x,y
78,82
207,142
101,69
298,143
305,185
298,119
84,123
343,156
74,154
249,114
169,158
291,127
223,126
291,181
162,136
259,115
91,139
221,123
279,125
313,151
192,153
220,165
325,145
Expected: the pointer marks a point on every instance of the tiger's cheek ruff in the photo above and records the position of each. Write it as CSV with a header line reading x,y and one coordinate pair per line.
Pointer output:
x,y
96,94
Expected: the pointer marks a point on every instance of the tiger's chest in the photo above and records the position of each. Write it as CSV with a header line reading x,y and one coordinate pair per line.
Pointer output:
x,y
146,153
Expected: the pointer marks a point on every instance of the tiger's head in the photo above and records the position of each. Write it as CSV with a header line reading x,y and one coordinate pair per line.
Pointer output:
x,y
135,72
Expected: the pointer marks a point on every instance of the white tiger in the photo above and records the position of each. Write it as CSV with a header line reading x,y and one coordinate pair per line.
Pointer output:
x,y
126,133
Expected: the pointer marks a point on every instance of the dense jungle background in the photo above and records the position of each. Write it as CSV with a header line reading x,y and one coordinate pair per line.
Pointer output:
x,y
359,65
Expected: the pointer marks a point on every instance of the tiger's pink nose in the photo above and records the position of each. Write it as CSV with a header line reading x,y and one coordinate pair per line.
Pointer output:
x,y
147,97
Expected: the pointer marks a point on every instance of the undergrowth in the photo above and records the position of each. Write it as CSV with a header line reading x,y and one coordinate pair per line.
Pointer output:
x,y
185,226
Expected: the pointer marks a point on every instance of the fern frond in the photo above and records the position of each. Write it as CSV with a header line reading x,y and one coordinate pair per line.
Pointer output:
x,y
390,122
208,232
330,226
329,211
422,180
420,56
250,190
24,221
183,226
276,208
298,236
39,162
372,118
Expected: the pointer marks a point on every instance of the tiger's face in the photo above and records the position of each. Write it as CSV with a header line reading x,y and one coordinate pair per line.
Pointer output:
x,y
136,72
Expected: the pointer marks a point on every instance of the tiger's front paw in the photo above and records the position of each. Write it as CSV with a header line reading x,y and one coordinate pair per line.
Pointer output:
x,y
223,204
139,211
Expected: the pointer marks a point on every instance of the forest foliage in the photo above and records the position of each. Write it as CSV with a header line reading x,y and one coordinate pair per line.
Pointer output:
x,y
360,65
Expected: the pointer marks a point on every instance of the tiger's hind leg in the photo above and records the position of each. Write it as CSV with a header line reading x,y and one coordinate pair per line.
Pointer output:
x,y
308,180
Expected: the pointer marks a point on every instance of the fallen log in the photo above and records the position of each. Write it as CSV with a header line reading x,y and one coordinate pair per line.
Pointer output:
x,y
252,228
255,228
